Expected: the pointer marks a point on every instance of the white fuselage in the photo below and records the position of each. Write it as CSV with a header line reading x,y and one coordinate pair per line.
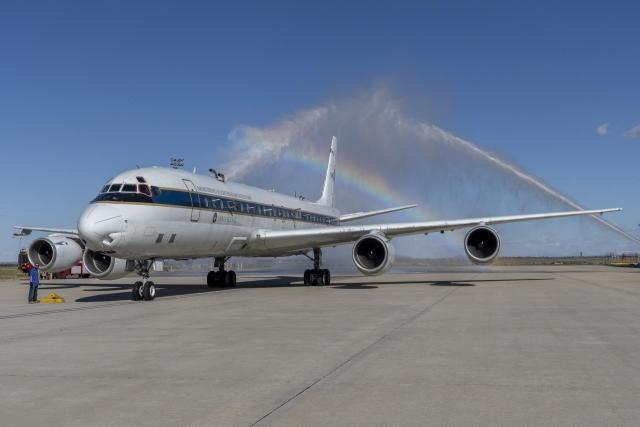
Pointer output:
x,y
184,215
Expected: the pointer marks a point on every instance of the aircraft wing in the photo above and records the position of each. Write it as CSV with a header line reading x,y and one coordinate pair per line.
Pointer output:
x,y
291,240
360,215
25,231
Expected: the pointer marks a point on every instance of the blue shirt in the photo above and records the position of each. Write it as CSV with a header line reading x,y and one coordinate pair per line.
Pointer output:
x,y
35,276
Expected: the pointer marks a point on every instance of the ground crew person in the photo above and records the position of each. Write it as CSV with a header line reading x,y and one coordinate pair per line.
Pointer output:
x,y
33,284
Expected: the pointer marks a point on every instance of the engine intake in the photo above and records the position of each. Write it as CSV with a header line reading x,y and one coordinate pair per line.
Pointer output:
x,y
54,253
373,254
105,267
482,244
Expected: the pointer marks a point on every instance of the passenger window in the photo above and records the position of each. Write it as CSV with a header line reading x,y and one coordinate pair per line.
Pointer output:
x,y
115,188
129,188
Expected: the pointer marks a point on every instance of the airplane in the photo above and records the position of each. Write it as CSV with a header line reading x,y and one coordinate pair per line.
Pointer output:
x,y
155,213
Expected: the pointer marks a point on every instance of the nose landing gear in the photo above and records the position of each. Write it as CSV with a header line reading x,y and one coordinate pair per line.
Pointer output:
x,y
146,289
317,276
221,278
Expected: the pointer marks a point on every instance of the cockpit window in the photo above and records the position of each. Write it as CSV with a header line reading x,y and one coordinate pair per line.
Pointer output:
x,y
141,180
144,189
105,189
115,188
129,188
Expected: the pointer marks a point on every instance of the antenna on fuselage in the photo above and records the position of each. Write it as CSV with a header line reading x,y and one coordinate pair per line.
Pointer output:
x,y
176,163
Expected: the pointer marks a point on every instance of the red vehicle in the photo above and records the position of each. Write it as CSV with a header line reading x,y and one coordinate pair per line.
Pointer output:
x,y
23,262
76,271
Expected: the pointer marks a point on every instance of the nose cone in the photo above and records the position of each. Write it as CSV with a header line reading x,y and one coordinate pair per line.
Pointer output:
x,y
101,226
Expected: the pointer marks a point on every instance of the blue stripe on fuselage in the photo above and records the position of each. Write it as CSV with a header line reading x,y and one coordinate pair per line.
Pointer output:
x,y
183,198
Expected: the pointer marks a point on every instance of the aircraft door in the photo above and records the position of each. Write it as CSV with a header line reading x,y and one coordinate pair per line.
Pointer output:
x,y
195,200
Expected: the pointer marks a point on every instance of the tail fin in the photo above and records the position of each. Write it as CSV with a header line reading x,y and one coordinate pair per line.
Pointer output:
x,y
328,197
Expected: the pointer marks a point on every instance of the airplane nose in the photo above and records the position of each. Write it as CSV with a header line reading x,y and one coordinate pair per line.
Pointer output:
x,y
101,226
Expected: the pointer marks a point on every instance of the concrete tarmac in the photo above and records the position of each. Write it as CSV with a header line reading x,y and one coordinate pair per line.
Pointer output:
x,y
516,346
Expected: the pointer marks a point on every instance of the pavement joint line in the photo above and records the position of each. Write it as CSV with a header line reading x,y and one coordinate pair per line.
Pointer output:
x,y
356,355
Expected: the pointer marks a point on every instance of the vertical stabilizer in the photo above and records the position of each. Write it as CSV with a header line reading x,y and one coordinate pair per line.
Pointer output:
x,y
328,197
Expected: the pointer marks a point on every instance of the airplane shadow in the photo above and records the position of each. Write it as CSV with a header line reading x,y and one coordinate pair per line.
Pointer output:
x,y
355,286
114,292
369,285
171,290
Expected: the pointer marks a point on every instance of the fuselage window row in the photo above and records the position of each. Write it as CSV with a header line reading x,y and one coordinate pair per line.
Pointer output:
x,y
171,197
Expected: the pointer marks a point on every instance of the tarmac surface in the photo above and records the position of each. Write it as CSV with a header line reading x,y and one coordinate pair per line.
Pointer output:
x,y
516,346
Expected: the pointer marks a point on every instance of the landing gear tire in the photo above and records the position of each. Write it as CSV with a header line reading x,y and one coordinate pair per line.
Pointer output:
x,y
149,291
227,278
212,279
327,277
307,277
144,290
317,277
232,278
136,292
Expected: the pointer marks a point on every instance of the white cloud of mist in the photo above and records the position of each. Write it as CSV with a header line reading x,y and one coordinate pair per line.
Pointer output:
x,y
633,133
416,162
602,129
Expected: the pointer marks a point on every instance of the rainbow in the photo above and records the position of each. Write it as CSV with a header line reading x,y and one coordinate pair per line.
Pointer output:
x,y
360,179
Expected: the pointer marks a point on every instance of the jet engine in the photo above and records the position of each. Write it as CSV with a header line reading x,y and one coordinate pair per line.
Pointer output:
x,y
373,254
105,267
482,244
55,253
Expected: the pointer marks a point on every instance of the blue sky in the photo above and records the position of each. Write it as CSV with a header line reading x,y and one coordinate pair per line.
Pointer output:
x,y
91,88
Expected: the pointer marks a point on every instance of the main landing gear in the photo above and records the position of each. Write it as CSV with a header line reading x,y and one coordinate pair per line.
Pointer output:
x,y
317,276
144,290
221,278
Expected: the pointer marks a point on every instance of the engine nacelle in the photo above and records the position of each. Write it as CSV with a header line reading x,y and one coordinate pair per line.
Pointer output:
x,y
54,253
482,244
373,254
106,267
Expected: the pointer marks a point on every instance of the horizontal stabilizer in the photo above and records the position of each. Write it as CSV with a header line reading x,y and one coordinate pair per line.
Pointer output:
x,y
25,231
360,215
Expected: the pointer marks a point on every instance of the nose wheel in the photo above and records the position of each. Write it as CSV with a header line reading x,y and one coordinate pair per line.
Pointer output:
x,y
145,289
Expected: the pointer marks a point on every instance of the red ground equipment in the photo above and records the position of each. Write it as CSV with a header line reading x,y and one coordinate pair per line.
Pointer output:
x,y
23,262
75,271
